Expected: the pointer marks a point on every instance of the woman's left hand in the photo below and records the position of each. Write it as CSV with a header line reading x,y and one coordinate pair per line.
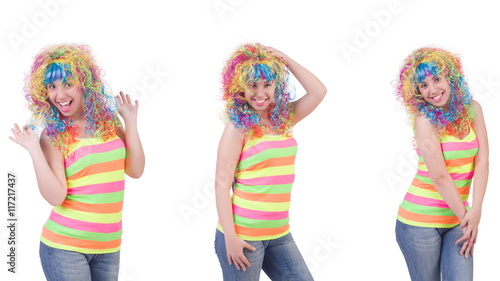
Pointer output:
x,y
470,226
126,108
276,52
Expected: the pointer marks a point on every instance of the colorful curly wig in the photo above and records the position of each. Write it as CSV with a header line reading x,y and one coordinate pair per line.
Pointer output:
x,y
252,63
432,62
75,62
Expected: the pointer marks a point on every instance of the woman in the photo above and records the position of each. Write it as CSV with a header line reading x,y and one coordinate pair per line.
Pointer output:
x,y
258,150
79,160
436,227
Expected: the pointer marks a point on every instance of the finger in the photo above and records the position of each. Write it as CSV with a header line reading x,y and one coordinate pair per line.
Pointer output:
x,y
17,127
464,247
123,97
236,263
250,247
15,132
242,263
463,238
129,101
119,98
137,103
229,259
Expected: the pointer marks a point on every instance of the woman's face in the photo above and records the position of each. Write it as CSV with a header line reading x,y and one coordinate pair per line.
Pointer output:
x,y
260,94
66,97
435,90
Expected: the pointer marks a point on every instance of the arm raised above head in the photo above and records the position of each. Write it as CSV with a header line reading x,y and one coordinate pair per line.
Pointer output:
x,y
315,90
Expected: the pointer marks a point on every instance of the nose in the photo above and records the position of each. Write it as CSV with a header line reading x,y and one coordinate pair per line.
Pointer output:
x,y
433,89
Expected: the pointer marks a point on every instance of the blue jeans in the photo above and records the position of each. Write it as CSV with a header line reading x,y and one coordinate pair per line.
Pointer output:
x,y
279,258
62,265
431,253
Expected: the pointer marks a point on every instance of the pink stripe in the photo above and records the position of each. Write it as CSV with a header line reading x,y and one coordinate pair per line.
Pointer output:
x,y
84,225
429,202
99,188
259,215
454,176
456,146
271,180
96,148
261,146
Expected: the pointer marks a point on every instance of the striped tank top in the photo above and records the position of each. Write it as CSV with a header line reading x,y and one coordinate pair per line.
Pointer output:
x,y
422,205
90,218
261,197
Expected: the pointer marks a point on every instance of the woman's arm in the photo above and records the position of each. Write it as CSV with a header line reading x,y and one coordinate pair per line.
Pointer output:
x,y
48,162
228,153
429,147
135,159
481,171
315,90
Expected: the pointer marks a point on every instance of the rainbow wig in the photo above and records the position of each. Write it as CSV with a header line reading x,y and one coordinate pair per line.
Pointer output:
x,y
432,62
75,62
252,63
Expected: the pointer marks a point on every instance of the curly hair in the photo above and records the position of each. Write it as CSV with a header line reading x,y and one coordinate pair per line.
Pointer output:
x,y
253,63
60,62
428,61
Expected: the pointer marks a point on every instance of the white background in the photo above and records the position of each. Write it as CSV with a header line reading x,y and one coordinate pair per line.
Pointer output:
x,y
355,158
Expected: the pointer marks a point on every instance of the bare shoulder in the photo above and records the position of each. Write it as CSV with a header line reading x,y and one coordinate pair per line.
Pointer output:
x,y
424,124
232,133
477,107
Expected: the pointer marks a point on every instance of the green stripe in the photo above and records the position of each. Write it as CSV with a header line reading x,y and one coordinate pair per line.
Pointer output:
x,y
250,223
94,158
425,210
266,189
102,198
83,235
88,216
265,155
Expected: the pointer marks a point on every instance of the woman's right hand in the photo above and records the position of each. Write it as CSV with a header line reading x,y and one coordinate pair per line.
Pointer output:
x,y
26,137
234,249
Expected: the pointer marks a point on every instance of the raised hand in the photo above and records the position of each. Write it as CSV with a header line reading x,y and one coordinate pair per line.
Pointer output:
x,y
126,108
25,137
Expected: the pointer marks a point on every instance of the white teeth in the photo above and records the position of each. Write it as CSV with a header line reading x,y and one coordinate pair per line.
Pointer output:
x,y
64,103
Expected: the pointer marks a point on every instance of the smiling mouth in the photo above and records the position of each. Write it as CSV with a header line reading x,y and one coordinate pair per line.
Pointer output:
x,y
260,102
65,106
438,98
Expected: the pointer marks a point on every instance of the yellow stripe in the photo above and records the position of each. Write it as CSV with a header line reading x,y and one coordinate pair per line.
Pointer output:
x,y
434,225
88,217
97,178
431,194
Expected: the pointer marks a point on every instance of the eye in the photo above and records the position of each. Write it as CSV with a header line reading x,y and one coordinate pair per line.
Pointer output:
x,y
422,85
67,84
437,79
50,86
